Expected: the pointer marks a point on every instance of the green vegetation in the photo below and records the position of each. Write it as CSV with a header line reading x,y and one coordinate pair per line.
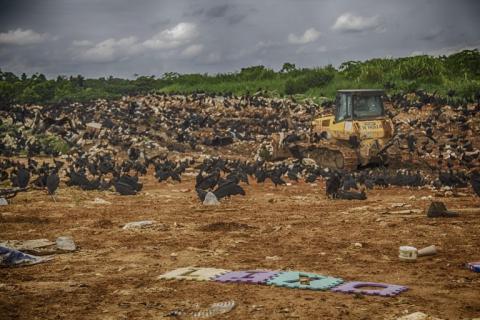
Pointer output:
x,y
49,142
456,76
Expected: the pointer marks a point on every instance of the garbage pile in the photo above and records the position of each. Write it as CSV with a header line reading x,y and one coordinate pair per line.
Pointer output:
x,y
106,145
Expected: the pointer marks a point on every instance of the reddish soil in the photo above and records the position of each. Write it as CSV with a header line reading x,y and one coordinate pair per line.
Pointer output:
x,y
114,274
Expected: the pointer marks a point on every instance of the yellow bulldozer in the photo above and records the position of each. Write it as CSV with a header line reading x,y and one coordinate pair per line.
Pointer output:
x,y
357,134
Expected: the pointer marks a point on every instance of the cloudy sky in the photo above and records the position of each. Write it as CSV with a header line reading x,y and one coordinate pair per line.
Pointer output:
x,y
150,37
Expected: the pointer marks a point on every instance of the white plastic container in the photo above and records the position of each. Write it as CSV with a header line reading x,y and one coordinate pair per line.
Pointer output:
x,y
408,254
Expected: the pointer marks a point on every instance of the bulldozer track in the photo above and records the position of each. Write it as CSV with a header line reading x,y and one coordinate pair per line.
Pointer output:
x,y
333,157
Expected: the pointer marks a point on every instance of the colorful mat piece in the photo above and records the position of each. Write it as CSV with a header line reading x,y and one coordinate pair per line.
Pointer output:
x,y
384,289
304,280
249,276
193,273
287,279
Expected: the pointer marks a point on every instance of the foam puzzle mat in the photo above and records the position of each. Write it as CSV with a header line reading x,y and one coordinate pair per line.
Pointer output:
x,y
287,279
304,280
384,289
194,273
249,276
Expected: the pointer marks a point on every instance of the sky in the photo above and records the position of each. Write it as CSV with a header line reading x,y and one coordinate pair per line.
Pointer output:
x,y
122,38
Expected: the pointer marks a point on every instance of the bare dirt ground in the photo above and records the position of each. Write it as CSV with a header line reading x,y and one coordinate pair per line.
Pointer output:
x,y
114,273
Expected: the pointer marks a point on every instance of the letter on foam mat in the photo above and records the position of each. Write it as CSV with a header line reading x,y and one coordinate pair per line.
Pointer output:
x,y
250,276
384,289
304,280
193,273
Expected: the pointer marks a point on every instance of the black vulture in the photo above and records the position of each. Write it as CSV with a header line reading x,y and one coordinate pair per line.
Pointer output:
x,y
332,185
124,189
53,180
475,181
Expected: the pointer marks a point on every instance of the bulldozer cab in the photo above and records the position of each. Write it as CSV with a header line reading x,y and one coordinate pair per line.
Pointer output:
x,y
360,104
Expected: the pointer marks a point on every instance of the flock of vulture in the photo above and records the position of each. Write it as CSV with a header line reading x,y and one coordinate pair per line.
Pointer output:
x,y
110,145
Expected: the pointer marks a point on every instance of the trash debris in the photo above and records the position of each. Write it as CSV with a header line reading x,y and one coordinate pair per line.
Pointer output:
x,y
427,251
35,246
100,201
3,202
408,253
210,200
11,258
398,205
358,245
437,209
139,224
474,266
215,309
66,243
405,211
273,258
417,316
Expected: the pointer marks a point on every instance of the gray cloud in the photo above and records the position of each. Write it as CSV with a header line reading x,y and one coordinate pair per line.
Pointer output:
x,y
23,37
121,38
217,11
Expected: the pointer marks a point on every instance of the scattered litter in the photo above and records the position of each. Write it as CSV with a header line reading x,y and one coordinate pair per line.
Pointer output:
x,y
427,251
11,258
3,202
426,198
94,126
174,313
139,224
418,316
273,258
406,211
358,245
215,309
460,194
448,193
408,253
100,201
362,208
66,243
474,266
35,246
210,200
397,205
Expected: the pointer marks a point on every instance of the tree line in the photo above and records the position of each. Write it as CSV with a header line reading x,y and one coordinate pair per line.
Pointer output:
x,y
456,76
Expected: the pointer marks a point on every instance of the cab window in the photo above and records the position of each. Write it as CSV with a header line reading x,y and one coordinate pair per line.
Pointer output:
x,y
344,107
367,107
